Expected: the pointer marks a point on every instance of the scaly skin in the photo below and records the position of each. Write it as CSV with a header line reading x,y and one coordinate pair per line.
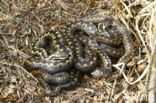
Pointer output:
x,y
61,67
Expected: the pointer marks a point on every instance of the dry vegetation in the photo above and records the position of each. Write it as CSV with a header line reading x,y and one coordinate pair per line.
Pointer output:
x,y
23,21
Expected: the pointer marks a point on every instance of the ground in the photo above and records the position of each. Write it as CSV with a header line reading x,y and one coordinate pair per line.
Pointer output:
x,y
23,21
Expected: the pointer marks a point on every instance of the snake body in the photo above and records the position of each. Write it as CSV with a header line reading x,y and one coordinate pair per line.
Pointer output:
x,y
123,36
61,60
83,62
67,54
59,81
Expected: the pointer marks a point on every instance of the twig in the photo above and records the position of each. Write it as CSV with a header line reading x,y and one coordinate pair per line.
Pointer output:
x,y
152,82
151,79
126,78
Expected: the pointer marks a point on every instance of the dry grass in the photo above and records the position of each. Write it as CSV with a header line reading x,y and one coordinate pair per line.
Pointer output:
x,y
23,21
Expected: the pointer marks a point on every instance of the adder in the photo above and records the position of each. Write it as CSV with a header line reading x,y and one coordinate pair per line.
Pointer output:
x,y
62,56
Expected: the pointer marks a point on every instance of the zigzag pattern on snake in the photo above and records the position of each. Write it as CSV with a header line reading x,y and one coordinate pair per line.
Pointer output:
x,y
64,55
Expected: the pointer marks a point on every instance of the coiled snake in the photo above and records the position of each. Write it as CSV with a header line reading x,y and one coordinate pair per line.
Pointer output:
x,y
64,56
